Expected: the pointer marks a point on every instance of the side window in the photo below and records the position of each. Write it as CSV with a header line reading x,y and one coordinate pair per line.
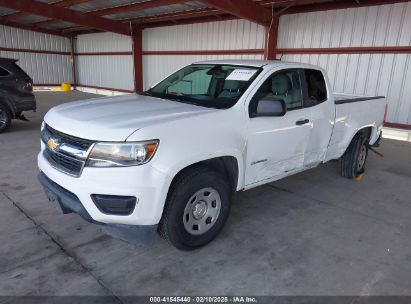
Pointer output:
x,y
316,88
3,72
284,85
194,83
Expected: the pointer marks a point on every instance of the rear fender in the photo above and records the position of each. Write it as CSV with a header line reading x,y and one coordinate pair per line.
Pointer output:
x,y
369,131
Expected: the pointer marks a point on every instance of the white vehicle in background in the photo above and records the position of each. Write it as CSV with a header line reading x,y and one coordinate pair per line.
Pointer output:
x,y
169,159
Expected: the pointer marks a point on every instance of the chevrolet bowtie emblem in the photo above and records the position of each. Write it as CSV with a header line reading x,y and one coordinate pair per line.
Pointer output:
x,y
53,144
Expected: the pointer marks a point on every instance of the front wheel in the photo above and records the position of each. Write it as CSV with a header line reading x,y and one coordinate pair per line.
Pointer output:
x,y
353,160
197,208
5,118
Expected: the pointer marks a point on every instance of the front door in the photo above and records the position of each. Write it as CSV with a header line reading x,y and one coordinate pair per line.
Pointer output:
x,y
276,145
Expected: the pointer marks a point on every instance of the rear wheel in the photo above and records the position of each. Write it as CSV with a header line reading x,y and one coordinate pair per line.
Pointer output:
x,y
354,159
196,209
5,118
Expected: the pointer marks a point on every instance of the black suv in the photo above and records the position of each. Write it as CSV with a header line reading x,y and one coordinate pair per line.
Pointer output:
x,y
16,93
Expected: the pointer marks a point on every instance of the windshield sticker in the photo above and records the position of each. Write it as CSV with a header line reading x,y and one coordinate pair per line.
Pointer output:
x,y
241,75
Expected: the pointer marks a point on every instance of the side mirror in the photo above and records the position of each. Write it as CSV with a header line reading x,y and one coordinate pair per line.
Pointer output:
x,y
269,107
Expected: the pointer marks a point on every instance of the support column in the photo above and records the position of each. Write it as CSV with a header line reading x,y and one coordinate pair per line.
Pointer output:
x,y
138,59
271,37
73,61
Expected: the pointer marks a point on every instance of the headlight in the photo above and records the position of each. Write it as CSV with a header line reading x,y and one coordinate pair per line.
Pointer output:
x,y
122,154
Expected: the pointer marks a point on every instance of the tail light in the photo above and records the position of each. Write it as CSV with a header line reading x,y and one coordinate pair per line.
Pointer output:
x,y
28,86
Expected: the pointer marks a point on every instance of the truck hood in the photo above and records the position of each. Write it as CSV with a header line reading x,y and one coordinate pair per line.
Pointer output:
x,y
116,118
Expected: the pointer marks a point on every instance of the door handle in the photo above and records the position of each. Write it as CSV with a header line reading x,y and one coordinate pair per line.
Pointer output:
x,y
302,122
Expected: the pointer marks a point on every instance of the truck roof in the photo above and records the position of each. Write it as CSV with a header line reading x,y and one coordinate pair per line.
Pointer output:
x,y
3,59
255,63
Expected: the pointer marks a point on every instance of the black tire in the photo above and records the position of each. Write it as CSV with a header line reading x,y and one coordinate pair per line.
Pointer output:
x,y
5,118
354,159
173,224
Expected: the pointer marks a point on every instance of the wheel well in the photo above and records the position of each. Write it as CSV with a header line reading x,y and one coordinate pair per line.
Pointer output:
x,y
366,132
225,165
7,105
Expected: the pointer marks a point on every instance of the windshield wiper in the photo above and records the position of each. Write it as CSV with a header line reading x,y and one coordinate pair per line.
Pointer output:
x,y
192,102
176,99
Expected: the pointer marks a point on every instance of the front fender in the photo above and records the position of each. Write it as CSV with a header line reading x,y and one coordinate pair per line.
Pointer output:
x,y
185,162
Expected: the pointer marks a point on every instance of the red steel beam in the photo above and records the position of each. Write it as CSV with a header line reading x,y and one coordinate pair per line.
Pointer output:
x,y
62,3
74,29
397,125
68,3
5,49
245,9
134,7
213,18
125,53
271,38
64,14
174,16
349,50
178,20
182,17
338,5
137,37
14,16
122,9
73,60
85,31
206,52
284,3
30,28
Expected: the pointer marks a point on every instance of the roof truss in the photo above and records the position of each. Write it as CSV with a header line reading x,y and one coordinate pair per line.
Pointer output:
x,y
245,9
258,11
65,14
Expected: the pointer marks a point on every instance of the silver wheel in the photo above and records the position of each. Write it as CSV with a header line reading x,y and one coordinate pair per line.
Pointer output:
x,y
361,157
3,119
202,211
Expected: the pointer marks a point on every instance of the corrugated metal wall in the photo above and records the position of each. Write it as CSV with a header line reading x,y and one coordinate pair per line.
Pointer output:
x,y
223,35
369,74
157,67
43,68
110,70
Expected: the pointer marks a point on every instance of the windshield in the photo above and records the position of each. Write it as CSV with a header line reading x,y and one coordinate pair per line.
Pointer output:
x,y
209,85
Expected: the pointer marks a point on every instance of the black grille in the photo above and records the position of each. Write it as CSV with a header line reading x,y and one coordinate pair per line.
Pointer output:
x,y
60,160
64,163
64,138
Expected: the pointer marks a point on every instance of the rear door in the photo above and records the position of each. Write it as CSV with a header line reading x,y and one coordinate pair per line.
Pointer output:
x,y
317,98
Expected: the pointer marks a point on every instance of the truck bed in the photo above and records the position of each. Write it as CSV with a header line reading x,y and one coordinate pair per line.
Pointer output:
x,y
352,113
340,98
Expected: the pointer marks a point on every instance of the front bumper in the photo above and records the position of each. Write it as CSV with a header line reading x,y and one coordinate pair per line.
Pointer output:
x,y
27,103
69,203
146,183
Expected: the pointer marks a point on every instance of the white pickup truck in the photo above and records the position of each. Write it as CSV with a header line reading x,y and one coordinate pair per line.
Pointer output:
x,y
169,159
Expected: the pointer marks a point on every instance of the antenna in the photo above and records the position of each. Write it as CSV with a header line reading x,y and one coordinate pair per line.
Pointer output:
x,y
281,57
